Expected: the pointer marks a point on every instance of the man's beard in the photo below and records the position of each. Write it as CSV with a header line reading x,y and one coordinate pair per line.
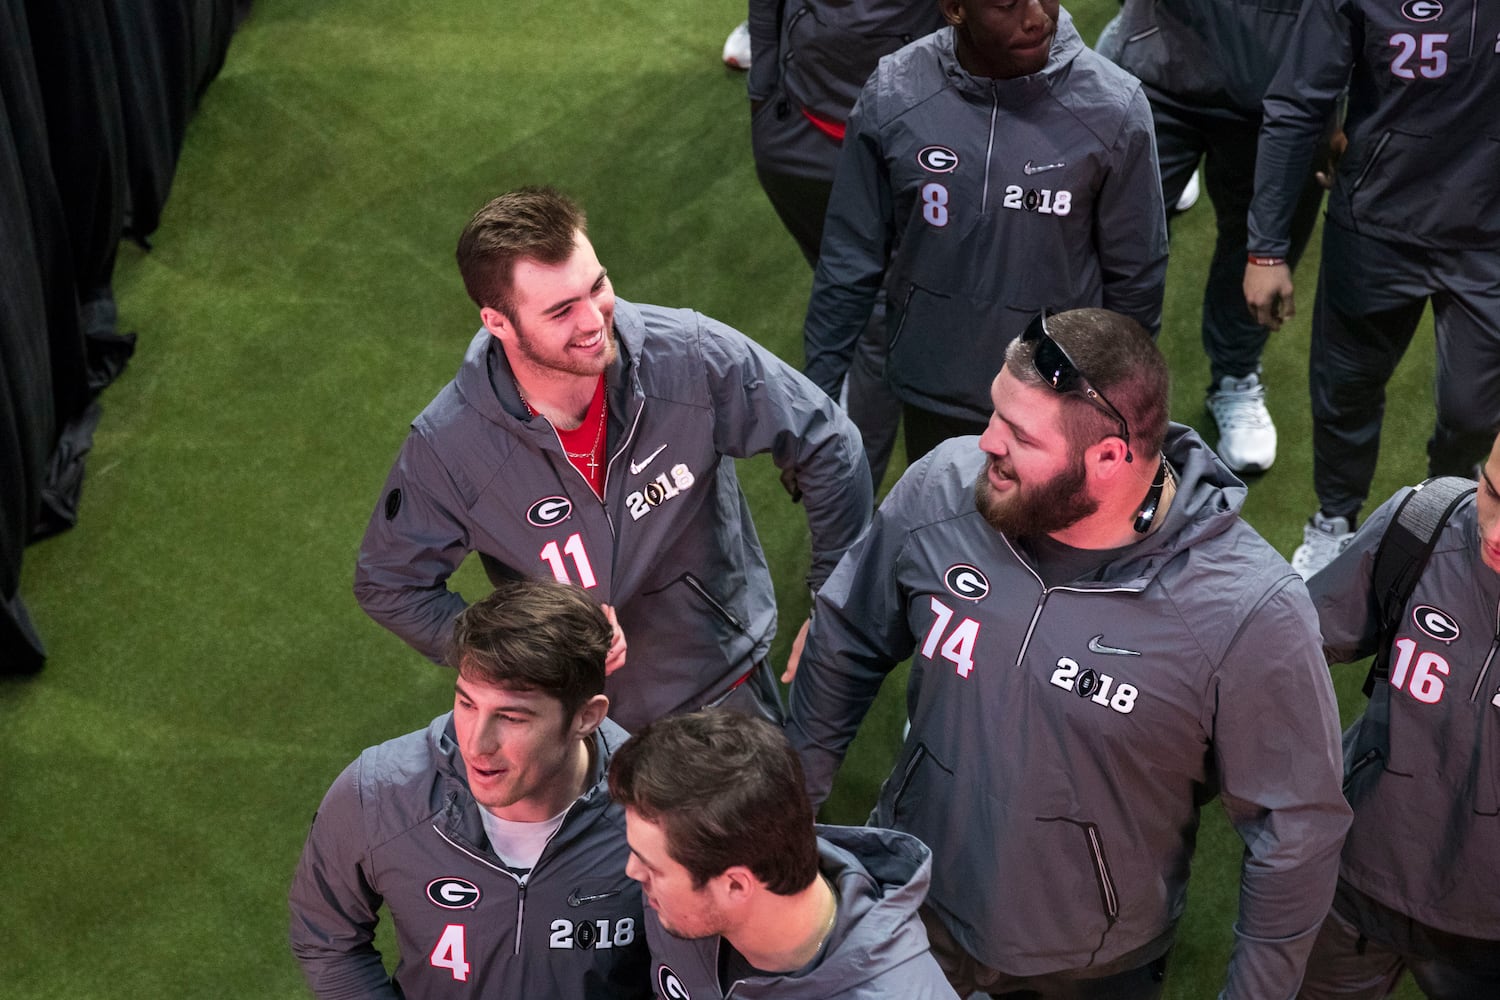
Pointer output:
x,y
561,362
1033,509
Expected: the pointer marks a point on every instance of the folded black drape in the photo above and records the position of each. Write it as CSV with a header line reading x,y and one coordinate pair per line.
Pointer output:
x,y
95,96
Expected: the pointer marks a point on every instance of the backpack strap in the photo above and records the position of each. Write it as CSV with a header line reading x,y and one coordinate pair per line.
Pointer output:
x,y
1402,556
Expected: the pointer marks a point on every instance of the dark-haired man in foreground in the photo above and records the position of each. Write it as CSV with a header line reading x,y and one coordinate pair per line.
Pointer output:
x,y
489,835
745,895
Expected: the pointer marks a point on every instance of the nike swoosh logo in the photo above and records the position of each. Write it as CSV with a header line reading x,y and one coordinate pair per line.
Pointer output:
x,y
1031,169
1096,646
576,900
636,468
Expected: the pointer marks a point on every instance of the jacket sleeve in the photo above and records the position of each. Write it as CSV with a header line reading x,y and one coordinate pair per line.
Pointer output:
x,y
1131,222
762,404
334,908
858,231
765,43
413,543
1296,110
1275,734
1343,592
859,633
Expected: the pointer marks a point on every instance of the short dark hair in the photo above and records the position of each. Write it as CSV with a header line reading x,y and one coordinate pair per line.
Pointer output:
x,y
535,635
531,223
728,790
1121,361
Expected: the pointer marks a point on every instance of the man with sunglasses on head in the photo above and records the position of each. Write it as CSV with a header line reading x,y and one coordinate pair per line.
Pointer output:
x,y
1100,644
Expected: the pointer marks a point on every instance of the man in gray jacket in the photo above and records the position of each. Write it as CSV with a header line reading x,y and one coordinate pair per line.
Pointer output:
x,y
990,169
1099,645
489,835
1417,885
746,896
1205,65
1413,216
592,440
815,56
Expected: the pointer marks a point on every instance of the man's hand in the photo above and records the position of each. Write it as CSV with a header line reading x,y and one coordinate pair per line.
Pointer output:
x,y
1330,156
616,658
795,656
1268,293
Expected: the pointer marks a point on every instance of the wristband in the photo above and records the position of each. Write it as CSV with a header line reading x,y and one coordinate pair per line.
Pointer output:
x,y
1260,261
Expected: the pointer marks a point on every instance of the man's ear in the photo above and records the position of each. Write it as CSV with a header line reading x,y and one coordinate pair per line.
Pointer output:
x,y
590,715
496,322
737,885
1106,459
952,12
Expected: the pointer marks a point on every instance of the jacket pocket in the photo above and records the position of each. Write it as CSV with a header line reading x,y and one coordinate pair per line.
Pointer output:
x,y
945,348
1093,846
1438,188
830,51
718,607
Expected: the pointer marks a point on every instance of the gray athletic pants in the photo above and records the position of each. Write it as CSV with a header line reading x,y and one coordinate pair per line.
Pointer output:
x,y
1371,294
1225,141
1363,948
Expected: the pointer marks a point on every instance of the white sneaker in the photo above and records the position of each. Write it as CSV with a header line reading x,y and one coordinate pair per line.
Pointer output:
x,y
1323,538
737,47
1189,196
1247,438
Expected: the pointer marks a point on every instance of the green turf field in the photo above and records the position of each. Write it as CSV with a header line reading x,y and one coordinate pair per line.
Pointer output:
x,y
209,671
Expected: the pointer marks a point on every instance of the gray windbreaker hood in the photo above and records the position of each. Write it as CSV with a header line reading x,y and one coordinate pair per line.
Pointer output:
x,y
1067,43
877,948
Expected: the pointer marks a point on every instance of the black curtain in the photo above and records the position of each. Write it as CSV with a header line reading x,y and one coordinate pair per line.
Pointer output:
x,y
95,96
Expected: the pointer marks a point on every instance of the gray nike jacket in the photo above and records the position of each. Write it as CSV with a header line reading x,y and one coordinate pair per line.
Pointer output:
x,y
877,949
399,826
1064,738
990,199
1207,53
672,547
1422,762
1423,122
822,51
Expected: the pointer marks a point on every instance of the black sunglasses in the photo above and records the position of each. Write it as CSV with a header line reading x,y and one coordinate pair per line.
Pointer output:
x,y
1058,370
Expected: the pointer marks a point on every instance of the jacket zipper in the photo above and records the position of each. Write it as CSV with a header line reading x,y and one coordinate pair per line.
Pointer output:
x,y
702,591
1370,163
1484,670
1367,758
989,149
1048,591
905,312
635,423
1106,884
521,883
906,776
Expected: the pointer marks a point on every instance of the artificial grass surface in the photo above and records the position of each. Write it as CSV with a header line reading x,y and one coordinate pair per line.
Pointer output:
x,y
209,671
